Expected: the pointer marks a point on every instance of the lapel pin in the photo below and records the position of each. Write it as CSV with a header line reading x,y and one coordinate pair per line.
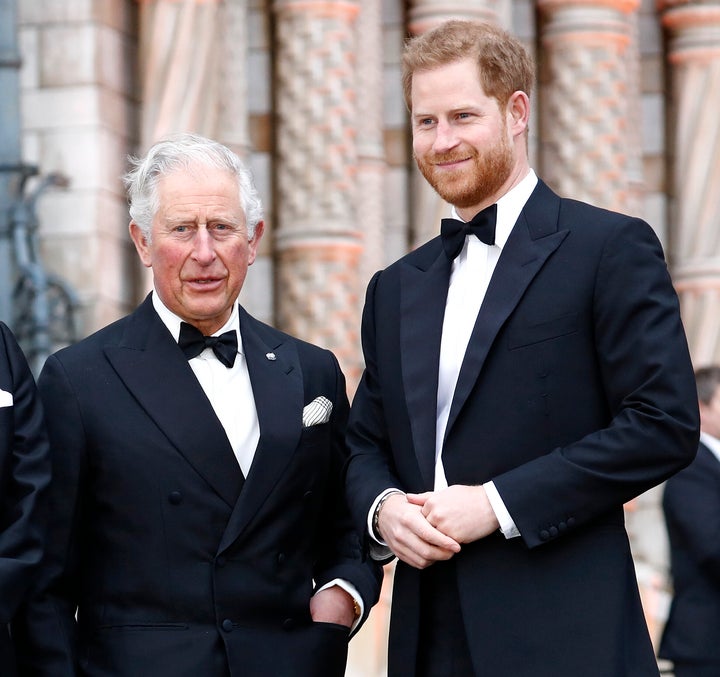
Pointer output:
x,y
270,356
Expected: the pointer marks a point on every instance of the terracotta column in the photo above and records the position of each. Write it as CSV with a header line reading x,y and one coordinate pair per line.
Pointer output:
x,y
590,149
317,241
370,150
232,96
694,59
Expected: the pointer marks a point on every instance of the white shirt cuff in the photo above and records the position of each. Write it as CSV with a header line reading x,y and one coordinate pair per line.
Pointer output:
x,y
507,525
351,590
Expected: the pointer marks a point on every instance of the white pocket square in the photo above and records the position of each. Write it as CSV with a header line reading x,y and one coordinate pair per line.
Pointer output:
x,y
6,399
318,411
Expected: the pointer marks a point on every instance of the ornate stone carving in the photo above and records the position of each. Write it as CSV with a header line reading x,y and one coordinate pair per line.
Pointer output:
x,y
586,103
317,240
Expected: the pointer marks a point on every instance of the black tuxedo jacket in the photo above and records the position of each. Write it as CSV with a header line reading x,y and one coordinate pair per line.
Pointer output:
x,y
576,393
691,502
175,564
24,477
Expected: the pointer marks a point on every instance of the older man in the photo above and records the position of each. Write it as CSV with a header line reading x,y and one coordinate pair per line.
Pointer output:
x,y
200,526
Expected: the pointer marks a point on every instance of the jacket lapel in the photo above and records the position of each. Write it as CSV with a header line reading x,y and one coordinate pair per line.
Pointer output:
x,y
533,239
424,286
278,391
154,369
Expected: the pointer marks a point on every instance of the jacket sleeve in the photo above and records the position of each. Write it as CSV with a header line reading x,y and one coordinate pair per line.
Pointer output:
x,y
647,383
341,554
24,479
45,634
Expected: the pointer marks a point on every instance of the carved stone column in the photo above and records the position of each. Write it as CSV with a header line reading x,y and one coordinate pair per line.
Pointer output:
x,y
590,151
694,59
371,153
232,122
317,243
427,206
426,14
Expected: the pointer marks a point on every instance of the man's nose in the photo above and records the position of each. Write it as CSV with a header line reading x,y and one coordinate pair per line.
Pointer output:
x,y
445,136
204,245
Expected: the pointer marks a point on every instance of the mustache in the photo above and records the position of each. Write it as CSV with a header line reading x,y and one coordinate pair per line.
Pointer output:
x,y
443,158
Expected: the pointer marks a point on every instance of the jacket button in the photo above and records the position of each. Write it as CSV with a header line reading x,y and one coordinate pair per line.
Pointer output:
x,y
571,522
175,497
544,535
553,531
562,526
227,625
307,495
281,558
288,624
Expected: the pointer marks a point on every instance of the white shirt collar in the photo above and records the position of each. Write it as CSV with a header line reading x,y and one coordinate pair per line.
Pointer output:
x,y
172,321
712,443
509,207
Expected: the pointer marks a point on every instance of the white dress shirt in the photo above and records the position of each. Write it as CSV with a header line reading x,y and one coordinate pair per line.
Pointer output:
x,y
228,389
469,280
470,277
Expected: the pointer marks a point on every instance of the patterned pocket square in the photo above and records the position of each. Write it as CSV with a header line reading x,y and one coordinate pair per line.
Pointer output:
x,y
6,399
318,411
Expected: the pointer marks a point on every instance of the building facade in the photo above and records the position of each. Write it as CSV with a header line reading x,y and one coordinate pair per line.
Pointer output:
x,y
308,92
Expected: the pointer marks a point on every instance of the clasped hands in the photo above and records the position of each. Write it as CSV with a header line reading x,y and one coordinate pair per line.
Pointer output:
x,y
429,527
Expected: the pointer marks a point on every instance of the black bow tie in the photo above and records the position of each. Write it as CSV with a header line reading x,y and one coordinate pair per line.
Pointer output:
x,y
192,343
453,232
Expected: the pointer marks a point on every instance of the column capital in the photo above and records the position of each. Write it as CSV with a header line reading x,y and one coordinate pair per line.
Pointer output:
x,y
424,15
319,8
588,22
694,29
623,6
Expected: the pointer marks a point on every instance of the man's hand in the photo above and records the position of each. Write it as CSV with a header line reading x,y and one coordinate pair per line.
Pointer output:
x,y
410,536
333,605
461,512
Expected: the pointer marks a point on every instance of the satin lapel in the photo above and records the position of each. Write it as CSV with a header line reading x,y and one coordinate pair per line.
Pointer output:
x,y
278,391
423,291
524,254
155,371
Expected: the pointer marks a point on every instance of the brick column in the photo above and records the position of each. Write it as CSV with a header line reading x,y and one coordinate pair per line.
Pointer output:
x,y
694,60
371,153
317,241
591,150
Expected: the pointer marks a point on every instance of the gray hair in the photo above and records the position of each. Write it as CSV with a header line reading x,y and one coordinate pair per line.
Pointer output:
x,y
182,152
707,380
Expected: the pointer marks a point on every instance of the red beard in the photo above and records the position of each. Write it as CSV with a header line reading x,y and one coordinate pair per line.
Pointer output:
x,y
474,183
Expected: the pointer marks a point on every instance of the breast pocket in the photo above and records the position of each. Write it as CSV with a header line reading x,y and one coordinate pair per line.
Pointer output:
x,y
529,335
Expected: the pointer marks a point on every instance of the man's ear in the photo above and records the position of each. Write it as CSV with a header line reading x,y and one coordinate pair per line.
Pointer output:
x,y
253,243
518,111
141,244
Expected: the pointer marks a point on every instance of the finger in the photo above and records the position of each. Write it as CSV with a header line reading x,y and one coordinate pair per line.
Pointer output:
x,y
418,499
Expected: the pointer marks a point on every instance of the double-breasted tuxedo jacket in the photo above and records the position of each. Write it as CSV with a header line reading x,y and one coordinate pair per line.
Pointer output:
x,y
24,477
576,393
176,564
691,502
